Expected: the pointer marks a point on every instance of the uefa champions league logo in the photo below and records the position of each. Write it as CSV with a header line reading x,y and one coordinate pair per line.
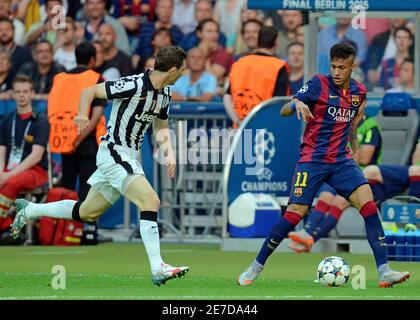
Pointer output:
x,y
264,148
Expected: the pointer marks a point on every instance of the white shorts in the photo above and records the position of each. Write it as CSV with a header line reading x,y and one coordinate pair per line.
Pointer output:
x,y
117,167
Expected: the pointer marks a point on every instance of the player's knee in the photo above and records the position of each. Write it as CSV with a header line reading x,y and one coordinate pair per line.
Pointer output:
x,y
149,202
340,202
297,208
372,173
414,170
326,197
87,214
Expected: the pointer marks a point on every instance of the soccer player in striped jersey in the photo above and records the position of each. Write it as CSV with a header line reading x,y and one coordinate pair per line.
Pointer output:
x,y
139,101
332,106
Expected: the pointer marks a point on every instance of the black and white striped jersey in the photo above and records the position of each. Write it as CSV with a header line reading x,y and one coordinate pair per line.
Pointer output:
x,y
136,104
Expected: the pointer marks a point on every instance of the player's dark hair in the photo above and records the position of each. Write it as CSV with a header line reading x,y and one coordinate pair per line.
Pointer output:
x,y
250,21
267,37
85,51
169,57
342,51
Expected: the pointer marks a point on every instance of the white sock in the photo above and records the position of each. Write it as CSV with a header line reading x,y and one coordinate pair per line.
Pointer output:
x,y
60,209
150,236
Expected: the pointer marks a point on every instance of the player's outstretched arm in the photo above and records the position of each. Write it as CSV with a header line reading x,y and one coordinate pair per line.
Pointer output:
x,y
162,136
287,109
302,110
86,98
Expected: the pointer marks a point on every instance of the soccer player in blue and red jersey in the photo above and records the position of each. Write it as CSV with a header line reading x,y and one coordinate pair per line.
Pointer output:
x,y
331,106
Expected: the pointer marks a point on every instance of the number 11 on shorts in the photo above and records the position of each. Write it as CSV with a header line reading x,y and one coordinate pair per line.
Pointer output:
x,y
299,176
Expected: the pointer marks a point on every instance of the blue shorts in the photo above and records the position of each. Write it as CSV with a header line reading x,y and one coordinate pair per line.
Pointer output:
x,y
344,177
395,179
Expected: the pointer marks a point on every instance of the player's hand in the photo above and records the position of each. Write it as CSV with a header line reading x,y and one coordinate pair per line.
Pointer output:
x,y
302,111
171,165
81,121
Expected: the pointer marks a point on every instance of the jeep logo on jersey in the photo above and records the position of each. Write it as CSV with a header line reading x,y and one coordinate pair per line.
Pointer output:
x,y
341,114
145,117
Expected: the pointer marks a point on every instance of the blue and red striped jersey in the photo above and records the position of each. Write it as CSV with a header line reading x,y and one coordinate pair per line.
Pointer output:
x,y
327,135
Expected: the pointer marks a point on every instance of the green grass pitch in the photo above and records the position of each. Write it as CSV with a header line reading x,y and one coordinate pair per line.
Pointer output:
x,y
121,271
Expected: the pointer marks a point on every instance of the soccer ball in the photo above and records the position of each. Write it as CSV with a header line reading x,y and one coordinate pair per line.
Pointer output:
x,y
333,272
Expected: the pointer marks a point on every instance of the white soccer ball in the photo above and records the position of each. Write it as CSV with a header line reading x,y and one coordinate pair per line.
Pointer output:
x,y
333,272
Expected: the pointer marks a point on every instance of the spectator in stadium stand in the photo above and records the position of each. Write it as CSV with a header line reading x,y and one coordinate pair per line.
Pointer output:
x,y
42,70
112,55
45,29
273,18
66,45
245,40
341,31
295,59
18,54
96,15
405,78
390,68
23,141
292,19
164,10
130,13
197,84
183,16
203,9
256,77
6,77
108,73
228,15
149,64
382,48
19,27
218,61
161,37
300,34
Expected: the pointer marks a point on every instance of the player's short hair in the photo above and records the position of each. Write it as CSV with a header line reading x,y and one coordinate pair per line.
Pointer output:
x,y
169,57
267,37
84,52
250,21
22,78
342,51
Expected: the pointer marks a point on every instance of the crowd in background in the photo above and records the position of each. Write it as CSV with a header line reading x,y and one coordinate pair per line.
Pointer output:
x,y
128,33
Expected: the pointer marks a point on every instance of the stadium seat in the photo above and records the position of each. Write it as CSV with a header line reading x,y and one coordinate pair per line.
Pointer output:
x,y
399,124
